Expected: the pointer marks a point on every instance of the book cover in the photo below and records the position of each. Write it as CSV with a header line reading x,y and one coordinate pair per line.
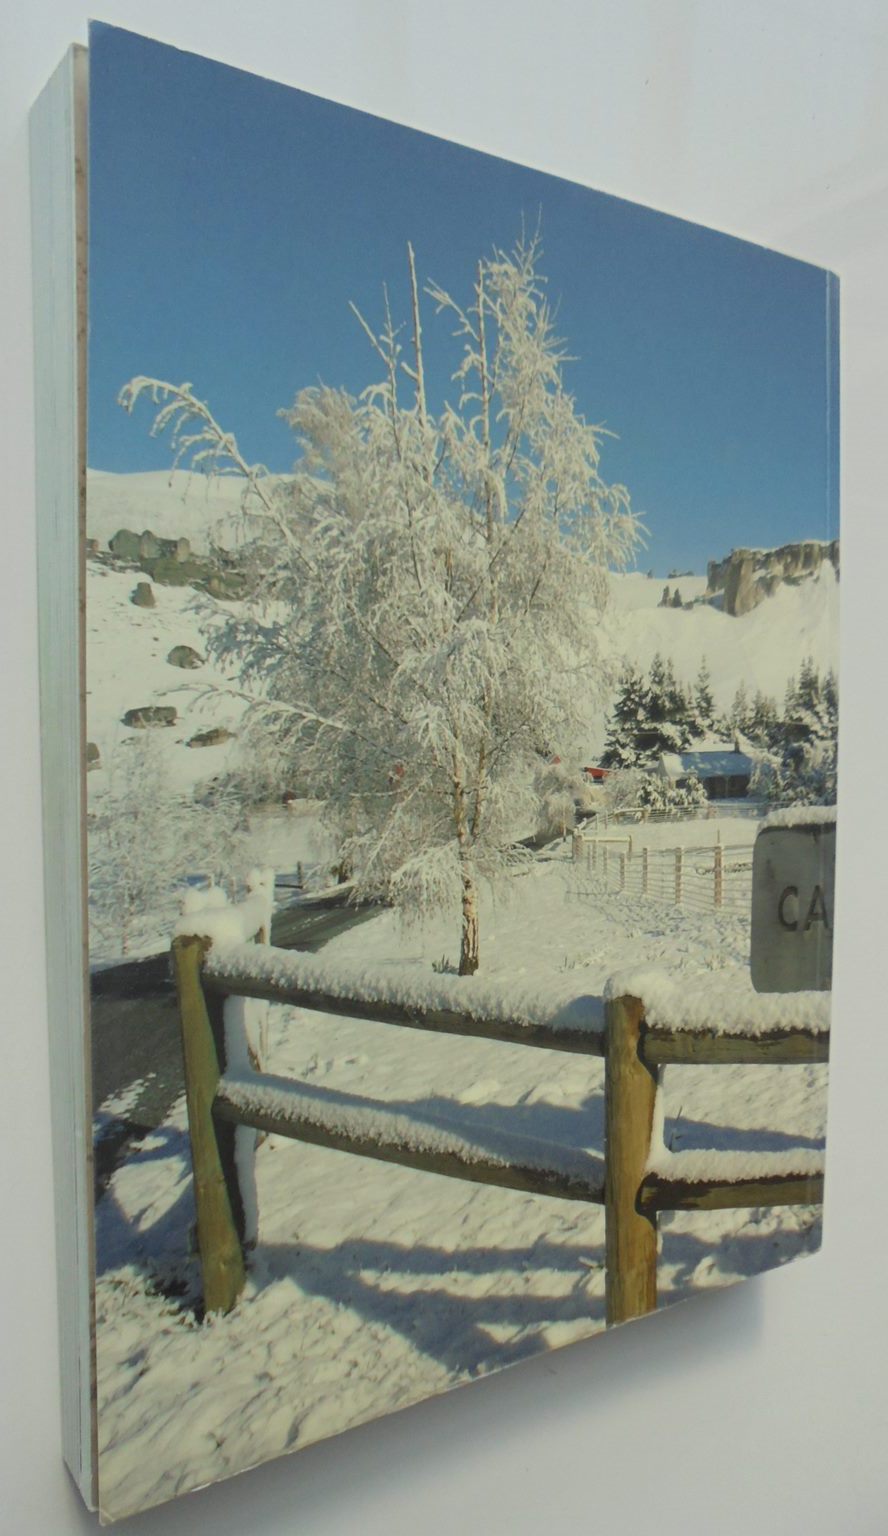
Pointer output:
x,y
457,738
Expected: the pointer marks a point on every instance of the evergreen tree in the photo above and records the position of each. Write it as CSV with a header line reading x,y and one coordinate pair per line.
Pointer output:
x,y
763,722
740,713
665,726
622,748
803,761
704,703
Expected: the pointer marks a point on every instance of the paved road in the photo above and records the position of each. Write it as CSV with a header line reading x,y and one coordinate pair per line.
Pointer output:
x,y
136,1048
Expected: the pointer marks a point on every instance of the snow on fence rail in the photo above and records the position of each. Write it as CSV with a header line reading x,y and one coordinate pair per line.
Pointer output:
x,y
716,877
641,1025
710,810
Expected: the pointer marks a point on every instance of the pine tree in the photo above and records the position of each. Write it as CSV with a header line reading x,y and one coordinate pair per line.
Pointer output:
x,y
622,748
762,725
665,726
704,703
803,762
740,714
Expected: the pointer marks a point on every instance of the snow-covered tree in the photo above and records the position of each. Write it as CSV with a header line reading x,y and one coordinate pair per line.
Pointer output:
x,y
144,840
704,703
802,763
666,727
421,628
738,718
621,747
649,717
763,721
562,790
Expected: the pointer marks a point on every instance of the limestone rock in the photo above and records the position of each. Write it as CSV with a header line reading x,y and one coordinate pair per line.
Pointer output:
x,y
211,738
149,716
185,656
142,595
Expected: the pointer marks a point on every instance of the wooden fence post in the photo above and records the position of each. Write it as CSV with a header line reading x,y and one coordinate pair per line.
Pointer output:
x,y
217,1198
576,847
678,873
604,865
645,871
630,1238
718,875
622,871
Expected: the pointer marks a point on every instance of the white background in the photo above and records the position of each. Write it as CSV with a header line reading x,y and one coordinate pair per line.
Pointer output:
x,y
760,1410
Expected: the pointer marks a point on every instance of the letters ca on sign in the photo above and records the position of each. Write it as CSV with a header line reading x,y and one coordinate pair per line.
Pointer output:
x,y
789,910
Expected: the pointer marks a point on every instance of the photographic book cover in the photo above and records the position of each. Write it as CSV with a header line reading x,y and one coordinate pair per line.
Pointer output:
x,y
461,593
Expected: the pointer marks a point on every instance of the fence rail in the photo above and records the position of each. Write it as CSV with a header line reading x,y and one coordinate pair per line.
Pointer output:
x,y
632,1179
745,810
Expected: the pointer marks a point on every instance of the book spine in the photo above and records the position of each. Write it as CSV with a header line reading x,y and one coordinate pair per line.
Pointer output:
x,y
58,142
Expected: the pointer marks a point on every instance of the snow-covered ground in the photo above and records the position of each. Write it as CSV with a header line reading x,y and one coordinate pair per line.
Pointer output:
x,y
373,1286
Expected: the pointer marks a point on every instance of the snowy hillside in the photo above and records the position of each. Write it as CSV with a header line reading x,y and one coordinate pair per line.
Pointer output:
x,y
128,646
127,668
762,649
171,504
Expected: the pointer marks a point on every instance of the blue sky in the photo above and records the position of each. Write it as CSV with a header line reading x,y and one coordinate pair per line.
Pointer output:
x,y
232,220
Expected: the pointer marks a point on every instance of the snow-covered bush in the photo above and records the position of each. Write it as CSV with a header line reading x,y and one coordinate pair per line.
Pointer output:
x,y
657,793
144,841
562,790
652,791
421,628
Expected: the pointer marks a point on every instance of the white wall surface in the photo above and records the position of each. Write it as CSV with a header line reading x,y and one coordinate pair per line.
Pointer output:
x,y
758,1410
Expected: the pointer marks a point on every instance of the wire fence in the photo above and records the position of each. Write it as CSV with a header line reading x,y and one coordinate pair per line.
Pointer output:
x,y
705,879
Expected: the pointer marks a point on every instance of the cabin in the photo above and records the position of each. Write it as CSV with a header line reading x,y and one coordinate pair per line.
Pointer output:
x,y
724,772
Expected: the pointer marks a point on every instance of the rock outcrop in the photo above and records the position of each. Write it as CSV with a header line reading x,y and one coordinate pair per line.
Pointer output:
x,y
748,576
128,545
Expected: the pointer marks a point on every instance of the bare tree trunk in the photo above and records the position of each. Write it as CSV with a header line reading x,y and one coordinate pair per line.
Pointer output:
x,y
468,953
469,958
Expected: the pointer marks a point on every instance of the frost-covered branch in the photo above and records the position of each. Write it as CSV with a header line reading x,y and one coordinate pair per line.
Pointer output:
x,y
419,635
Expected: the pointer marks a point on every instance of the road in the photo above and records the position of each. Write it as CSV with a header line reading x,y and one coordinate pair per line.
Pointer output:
x,y
136,1047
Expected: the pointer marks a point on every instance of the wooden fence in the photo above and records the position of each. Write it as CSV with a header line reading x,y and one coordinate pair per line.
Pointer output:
x,y
220,1100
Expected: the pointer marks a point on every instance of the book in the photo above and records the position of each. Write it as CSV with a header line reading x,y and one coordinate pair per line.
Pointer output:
x,y
424,825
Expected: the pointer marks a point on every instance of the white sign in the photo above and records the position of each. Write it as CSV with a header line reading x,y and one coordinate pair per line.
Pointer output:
x,y
793,885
